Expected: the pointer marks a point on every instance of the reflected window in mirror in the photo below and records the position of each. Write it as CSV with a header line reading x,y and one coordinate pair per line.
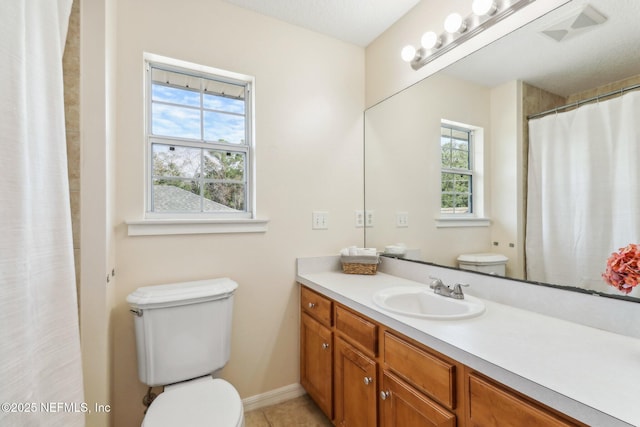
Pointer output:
x,y
462,182
457,170
461,173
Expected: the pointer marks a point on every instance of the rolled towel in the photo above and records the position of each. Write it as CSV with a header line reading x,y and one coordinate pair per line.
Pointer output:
x,y
348,251
367,251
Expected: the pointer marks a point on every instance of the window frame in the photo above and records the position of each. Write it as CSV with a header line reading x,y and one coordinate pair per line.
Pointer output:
x,y
476,218
470,171
248,148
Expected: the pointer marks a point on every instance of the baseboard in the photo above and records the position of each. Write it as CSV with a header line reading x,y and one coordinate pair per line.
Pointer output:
x,y
273,397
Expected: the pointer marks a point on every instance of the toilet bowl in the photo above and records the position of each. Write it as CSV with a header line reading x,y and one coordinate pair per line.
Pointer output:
x,y
203,402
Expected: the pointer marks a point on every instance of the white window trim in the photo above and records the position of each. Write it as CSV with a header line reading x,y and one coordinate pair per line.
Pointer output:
x,y
171,224
470,221
156,227
477,218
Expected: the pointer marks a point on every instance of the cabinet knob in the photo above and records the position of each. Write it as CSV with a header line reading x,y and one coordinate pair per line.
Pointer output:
x,y
312,304
384,395
368,380
325,345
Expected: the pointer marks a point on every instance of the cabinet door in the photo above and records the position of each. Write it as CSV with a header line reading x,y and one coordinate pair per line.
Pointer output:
x,y
491,405
402,405
355,387
316,362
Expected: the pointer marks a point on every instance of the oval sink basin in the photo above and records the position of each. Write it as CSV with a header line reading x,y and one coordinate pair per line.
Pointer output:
x,y
423,302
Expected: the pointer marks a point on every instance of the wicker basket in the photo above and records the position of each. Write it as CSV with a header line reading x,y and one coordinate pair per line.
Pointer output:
x,y
360,264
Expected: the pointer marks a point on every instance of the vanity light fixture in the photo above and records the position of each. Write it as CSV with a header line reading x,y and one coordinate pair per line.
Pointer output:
x,y
429,40
484,7
455,24
458,29
408,53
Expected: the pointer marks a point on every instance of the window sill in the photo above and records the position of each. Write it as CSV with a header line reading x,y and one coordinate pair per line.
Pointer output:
x,y
157,227
449,222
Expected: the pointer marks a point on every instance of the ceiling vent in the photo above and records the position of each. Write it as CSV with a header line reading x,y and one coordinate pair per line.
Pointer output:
x,y
585,20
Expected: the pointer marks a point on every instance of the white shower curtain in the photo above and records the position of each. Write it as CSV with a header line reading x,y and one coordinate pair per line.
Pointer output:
x,y
583,191
40,363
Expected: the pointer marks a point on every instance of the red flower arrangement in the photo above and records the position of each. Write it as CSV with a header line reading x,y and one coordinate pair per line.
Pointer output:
x,y
623,268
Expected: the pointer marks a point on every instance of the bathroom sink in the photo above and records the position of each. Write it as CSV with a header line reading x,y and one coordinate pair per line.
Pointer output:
x,y
423,302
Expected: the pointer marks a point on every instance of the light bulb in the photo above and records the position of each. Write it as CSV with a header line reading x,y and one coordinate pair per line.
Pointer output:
x,y
430,40
484,7
408,53
454,23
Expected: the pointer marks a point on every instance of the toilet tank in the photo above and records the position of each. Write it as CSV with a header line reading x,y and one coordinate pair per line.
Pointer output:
x,y
489,263
183,330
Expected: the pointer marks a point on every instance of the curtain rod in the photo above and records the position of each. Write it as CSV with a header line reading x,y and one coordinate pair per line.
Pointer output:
x,y
584,101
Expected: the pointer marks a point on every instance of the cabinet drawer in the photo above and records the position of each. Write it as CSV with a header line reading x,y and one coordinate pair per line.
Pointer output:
x,y
357,329
316,305
428,373
493,405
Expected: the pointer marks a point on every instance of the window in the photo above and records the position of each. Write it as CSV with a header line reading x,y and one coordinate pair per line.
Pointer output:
x,y
456,170
199,143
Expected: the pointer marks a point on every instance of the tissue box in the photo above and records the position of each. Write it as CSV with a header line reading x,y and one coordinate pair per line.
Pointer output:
x,y
360,264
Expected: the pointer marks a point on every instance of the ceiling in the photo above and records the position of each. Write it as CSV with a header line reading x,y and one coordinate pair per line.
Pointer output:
x,y
354,21
587,59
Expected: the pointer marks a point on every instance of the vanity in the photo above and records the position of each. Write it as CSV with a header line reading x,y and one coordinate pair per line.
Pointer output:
x,y
364,365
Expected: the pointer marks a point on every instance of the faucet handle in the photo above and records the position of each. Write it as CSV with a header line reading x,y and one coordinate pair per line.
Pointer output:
x,y
436,282
457,290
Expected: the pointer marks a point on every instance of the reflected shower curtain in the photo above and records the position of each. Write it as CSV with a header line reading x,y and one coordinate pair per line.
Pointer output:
x,y
583,192
40,363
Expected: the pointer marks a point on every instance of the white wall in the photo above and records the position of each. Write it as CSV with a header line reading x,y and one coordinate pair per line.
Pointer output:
x,y
97,130
309,100
507,204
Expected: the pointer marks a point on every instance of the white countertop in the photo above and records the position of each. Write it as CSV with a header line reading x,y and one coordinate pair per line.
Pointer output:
x,y
584,372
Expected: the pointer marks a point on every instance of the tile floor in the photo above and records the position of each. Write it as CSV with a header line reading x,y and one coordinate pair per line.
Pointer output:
x,y
298,412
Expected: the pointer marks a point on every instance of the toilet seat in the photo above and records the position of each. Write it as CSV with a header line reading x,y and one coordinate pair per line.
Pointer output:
x,y
203,402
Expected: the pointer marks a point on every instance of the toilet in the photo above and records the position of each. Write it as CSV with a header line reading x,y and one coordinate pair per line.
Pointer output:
x,y
183,337
488,263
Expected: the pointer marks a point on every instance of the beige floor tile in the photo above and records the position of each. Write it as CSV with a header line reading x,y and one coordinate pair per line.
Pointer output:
x,y
255,419
299,412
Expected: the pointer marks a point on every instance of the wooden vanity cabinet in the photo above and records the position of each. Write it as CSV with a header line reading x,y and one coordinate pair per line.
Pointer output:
x,y
362,373
316,349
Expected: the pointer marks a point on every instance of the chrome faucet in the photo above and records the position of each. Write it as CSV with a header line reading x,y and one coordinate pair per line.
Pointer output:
x,y
440,288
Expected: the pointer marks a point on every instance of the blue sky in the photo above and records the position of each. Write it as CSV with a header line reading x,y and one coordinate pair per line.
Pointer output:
x,y
184,121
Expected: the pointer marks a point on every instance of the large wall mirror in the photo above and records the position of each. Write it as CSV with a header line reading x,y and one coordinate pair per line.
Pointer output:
x,y
584,49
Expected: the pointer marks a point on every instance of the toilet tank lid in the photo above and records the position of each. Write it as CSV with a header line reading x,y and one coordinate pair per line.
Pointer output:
x,y
182,293
483,258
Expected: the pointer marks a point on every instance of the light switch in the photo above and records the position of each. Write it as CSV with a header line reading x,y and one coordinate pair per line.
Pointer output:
x,y
402,219
320,220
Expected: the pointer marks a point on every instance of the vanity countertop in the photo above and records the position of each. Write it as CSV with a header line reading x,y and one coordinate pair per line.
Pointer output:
x,y
587,373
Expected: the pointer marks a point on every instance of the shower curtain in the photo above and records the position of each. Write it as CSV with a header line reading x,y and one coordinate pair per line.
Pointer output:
x,y
40,363
583,191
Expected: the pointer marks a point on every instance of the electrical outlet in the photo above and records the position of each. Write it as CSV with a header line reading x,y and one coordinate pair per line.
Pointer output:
x,y
368,218
402,219
359,219
320,220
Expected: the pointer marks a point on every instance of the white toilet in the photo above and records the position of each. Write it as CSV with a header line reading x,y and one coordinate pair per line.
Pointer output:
x,y
183,336
489,263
